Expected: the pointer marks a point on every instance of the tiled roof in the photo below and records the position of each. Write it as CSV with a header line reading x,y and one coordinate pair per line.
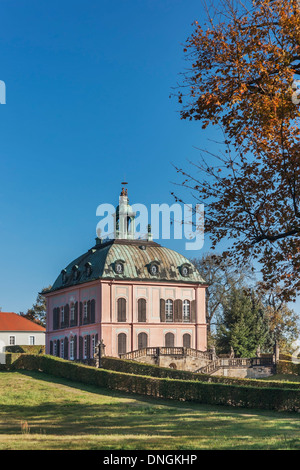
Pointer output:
x,y
10,321
137,257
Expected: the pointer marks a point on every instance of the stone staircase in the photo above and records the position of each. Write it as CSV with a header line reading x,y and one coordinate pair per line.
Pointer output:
x,y
175,357
261,364
203,362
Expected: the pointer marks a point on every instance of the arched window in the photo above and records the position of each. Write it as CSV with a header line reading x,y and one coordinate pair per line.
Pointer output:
x,y
186,340
169,310
169,340
186,311
142,340
122,343
122,310
141,310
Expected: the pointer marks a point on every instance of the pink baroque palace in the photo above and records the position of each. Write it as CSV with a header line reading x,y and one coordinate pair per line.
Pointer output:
x,y
127,293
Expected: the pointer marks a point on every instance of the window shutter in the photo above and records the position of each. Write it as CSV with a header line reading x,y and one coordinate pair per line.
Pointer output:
x,y
121,310
67,315
178,310
186,340
75,347
88,347
80,313
80,347
76,314
51,348
93,311
57,318
54,319
57,348
162,310
66,351
122,343
169,340
193,311
142,340
142,310
88,320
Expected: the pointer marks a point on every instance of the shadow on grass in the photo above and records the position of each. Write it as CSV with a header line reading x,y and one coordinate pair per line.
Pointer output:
x,y
130,414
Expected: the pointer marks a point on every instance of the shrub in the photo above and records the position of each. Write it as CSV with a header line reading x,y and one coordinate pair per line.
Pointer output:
x,y
28,349
288,367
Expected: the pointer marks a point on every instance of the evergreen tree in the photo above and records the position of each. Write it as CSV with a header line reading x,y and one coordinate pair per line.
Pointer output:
x,y
244,325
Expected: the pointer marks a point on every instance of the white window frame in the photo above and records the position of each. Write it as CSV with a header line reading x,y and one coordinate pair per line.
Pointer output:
x,y
62,314
33,338
12,337
72,348
93,345
85,309
85,347
169,310
62,349
72,312
186,311
54,348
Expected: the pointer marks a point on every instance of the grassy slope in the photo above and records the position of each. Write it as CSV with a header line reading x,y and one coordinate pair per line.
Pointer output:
x,y
40,412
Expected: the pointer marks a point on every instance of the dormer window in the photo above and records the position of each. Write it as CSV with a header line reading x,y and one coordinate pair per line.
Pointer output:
x,y
64,276
154,268
119,266
88,269
185,270
75,272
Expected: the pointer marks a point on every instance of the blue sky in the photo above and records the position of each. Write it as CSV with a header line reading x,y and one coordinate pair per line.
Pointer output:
x,y
87,106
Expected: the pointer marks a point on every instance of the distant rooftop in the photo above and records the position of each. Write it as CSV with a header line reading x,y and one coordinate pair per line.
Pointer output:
x,y
10,321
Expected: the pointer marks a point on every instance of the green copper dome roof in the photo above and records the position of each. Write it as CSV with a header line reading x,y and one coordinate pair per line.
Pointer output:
x,y
135,257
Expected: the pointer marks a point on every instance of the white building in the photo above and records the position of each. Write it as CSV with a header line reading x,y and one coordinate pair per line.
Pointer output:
x,y
16,330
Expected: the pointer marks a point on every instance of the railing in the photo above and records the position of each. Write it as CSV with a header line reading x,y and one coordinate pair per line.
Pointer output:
x,y
263,361
236,362
134,354
226,363
210,368
167,351
199,354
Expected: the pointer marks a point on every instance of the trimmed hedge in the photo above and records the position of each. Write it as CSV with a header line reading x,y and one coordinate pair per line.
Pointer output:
x,y
288,367
139,368
28,349
174,389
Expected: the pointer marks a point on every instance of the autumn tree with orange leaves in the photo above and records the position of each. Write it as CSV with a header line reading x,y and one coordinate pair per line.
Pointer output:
x,y
242,64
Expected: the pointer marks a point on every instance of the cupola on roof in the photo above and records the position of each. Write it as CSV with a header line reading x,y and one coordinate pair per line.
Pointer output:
x,y
126,258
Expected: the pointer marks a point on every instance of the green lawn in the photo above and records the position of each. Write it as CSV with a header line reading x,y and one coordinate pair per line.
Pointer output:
x,y
40,412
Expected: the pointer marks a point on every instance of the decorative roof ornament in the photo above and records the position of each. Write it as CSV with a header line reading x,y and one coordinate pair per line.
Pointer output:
x,y
124,217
